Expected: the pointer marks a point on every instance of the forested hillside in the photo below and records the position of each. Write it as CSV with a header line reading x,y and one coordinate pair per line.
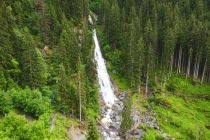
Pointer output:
x,y
146,35
160,52
55,83
46,66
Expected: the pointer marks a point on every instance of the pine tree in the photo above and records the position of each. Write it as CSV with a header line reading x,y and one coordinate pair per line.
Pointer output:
x,y
138,63
168,52
126,117
33,67
130,50
81,90
68,47
66,92
114,25
149,55
92,133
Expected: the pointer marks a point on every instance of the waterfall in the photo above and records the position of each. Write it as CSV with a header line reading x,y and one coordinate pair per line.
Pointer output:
x,y
105,85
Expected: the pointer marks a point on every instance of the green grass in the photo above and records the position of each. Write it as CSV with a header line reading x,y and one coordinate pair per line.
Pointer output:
x,y
121,82
186,87
152,135
186,116
62,125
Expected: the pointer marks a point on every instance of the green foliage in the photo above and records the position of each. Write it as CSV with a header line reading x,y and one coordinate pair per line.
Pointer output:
x,y
126,116
152,135
183,114
92,133
5,103
92,101
60,130
149,35
14,126
29,101
33,67
46,48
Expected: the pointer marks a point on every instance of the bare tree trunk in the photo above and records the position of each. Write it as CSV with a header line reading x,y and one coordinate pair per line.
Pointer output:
x,y
147,79
171,66
179,60
80,100
131,69
194,71
197,70
139,87
204,70
161,65
132,73
183,62
209,78
188,67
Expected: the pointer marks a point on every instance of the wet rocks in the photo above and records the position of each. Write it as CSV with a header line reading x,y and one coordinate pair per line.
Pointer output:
x,y
121,96
115,114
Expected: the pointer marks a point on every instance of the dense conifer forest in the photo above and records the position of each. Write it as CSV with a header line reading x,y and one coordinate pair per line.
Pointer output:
x,y
157,54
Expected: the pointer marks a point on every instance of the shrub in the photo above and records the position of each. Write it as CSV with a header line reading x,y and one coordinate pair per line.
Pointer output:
x,y
92,130
163,102
30,101
5,103
17,127
170,87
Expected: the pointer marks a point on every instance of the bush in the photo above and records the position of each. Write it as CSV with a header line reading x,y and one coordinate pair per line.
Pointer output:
x,y
152,84
17,127
170,87
5,103
163,102
29,101
92,130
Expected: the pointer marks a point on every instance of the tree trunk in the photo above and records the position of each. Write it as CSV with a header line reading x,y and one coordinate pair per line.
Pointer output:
x,y
132,72
204,70
183,62
194,71
139,87
209,78
171,66
179,60
147,79
197,70
188,67
80,100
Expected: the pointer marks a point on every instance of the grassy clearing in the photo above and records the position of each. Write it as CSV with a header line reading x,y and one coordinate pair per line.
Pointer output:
x,y
183,113
188,87
62,126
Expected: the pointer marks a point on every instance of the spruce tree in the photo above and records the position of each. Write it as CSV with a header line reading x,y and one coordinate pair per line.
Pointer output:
x,y
92,133
126,116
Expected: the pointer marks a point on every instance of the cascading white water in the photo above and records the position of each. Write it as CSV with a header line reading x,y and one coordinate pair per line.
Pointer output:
x,y
105,84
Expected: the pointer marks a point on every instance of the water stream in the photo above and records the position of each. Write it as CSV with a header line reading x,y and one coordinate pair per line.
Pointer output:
x,y
106,89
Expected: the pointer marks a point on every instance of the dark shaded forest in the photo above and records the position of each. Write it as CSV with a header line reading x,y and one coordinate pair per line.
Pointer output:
x,y
150,37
